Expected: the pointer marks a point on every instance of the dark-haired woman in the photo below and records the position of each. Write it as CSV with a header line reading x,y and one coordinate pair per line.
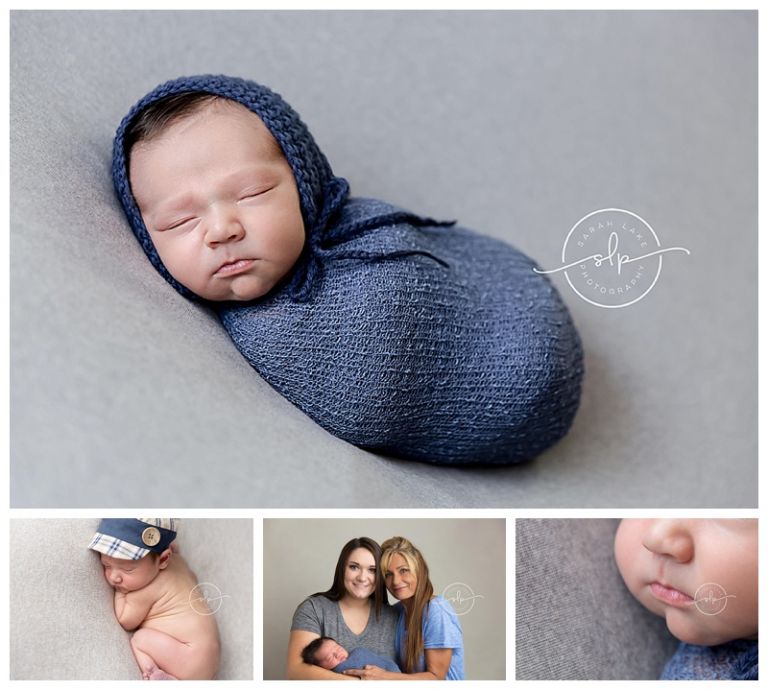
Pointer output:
x,y
354,612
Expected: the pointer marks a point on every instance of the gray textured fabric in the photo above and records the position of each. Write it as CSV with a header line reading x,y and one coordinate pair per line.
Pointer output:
x,y
323,616
62,606
575,618
516,124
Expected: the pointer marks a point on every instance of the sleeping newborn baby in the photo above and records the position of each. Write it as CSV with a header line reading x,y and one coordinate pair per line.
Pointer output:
x,y
326,653
395,332
153,589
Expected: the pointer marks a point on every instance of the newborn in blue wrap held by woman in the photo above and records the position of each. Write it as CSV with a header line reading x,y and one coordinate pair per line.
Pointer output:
x,y
395,332
326,653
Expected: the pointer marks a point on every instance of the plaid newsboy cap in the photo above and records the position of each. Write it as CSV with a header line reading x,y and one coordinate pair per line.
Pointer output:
x,y
133,538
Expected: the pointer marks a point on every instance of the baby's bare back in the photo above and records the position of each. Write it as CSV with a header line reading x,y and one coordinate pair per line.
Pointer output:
x,y
178,609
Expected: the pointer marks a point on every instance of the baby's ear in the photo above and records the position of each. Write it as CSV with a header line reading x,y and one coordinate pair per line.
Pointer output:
x,y
164,559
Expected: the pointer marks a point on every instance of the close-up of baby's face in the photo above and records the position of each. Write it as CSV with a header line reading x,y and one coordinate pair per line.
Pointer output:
x,y
698,574
220,202
127,575
330,654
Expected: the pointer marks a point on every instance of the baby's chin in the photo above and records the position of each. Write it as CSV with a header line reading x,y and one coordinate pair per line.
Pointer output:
x,y
246,287
679,621
700,630
243,292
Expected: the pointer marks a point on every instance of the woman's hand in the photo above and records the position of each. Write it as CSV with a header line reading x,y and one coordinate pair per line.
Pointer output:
x,y
438,661
370,672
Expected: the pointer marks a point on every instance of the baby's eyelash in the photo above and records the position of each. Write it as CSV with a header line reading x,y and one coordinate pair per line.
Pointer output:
x,y
177,224
256,192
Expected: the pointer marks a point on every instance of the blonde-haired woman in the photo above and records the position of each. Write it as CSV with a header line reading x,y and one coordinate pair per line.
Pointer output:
x,y
428,640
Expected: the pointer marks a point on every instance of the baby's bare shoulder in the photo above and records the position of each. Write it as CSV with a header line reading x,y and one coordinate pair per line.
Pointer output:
x,y
177,575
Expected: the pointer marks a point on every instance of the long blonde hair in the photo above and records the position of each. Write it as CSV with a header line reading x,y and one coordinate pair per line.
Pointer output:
x,y
414,635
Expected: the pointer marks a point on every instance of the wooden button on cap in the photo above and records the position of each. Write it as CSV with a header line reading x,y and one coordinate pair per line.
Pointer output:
x,y
151,536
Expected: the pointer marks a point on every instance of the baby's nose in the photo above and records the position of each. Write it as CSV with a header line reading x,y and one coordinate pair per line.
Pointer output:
x,y
223,226
671,538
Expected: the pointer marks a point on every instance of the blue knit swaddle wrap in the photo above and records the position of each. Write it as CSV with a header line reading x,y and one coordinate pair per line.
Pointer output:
x,y
360,657
395,332
735,660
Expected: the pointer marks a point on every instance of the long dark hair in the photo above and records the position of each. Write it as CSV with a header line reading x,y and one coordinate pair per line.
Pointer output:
x,y
337,590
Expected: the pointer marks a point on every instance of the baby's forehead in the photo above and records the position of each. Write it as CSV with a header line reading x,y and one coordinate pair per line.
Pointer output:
x,y
222,124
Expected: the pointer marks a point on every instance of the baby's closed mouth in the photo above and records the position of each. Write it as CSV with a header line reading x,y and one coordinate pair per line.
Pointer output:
x,y
670,595
234,267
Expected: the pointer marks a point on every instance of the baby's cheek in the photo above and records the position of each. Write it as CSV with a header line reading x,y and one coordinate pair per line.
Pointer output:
x,y
629,568
739,618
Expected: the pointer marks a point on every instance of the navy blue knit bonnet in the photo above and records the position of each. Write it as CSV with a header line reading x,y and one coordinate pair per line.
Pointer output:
x,y
321,193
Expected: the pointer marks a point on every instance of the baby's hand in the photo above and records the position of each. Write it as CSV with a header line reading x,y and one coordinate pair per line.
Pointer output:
x,y
119,603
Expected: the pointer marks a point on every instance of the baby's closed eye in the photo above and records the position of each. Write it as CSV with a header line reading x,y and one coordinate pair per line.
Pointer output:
x,y
172,225
255,192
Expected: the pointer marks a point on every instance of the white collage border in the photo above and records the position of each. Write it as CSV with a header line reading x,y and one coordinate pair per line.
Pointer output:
x,y
257,515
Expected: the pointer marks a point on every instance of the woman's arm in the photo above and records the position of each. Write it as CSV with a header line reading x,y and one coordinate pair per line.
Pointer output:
x,y
297,668
437,661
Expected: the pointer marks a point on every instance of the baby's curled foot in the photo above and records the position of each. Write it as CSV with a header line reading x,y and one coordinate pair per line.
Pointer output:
x,y
156,673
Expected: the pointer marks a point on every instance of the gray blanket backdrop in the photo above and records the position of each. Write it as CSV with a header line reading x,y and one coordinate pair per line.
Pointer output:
x,y
575,618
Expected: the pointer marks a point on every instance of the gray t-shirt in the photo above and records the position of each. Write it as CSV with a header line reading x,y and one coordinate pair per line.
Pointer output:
x,y
322,616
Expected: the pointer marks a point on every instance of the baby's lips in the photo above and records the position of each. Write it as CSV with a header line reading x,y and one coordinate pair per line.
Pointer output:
x,y
234,267
670,595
